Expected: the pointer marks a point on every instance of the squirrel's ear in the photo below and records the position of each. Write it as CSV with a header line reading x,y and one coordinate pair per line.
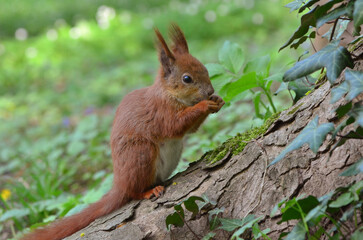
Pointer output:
x,y
166,58
180,43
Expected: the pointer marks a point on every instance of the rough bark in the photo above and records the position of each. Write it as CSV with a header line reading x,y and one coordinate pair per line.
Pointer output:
x,y
236,182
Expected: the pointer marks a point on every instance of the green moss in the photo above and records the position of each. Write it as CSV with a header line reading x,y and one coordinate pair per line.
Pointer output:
x,y
355,44
292,111
236,144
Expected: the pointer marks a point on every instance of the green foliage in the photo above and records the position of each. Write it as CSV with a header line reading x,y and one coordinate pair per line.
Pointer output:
x,y
232,78
353,86
310,19
177,217
358,15
334,57
313,134
312,213
354,169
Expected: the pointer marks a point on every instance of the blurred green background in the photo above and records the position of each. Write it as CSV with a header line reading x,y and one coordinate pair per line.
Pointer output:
x,y
65,66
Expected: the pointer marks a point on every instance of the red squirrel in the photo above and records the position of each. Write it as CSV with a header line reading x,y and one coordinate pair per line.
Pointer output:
x,y
147,133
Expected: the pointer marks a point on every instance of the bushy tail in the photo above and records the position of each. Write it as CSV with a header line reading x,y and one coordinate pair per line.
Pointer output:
x,y
69,225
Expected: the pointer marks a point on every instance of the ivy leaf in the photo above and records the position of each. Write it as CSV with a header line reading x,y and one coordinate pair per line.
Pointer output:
x,y
358,15
313,134
296,44
230,224
344,9
307,5
355,80
297,233
301,86
305,204
353,170
334,57
231,56
309,19
357,113
214,69
248,224
338,92
295,5
246,82
209,236
176,218
342,200
191,206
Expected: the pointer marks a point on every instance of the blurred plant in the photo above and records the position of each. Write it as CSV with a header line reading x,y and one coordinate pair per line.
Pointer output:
x,y
232,77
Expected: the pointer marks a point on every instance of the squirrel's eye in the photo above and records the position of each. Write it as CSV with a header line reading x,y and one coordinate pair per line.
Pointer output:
x,y
187,79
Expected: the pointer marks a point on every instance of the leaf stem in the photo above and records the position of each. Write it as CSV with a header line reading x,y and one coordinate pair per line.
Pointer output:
x,y
186,224
270,100
333,31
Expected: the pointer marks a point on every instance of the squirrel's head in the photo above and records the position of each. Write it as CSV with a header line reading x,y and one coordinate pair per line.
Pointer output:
x,y
182,75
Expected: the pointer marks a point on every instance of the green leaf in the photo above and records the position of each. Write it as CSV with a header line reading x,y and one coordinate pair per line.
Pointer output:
x,y
357,235
309,19
276,207
191,206
230,224
338,92
358,15
308,4
246,82
355,81
295,5
357,113
294,212
316,214
334,57
176,218
297,233
259,65
231,56
248,224
214,69
344,9
75,147
14,213
209,236
301,86
343,110
220,81
313,134
354,169
342,200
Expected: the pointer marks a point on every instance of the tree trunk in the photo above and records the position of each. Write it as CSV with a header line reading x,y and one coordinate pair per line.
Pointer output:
x,y
241,183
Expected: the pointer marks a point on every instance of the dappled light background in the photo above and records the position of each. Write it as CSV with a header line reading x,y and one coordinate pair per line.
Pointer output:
x,y
65,66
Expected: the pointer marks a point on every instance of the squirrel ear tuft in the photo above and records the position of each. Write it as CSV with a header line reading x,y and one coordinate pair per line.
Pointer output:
x,y
166,57
180,43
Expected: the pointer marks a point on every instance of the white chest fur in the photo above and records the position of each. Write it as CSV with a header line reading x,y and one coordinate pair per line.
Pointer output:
x,y
169,155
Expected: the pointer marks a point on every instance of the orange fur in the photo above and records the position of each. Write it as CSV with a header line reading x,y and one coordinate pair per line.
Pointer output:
x,y
145,119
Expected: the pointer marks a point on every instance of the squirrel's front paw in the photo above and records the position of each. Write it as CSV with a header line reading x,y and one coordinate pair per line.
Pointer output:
x,y
218,102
